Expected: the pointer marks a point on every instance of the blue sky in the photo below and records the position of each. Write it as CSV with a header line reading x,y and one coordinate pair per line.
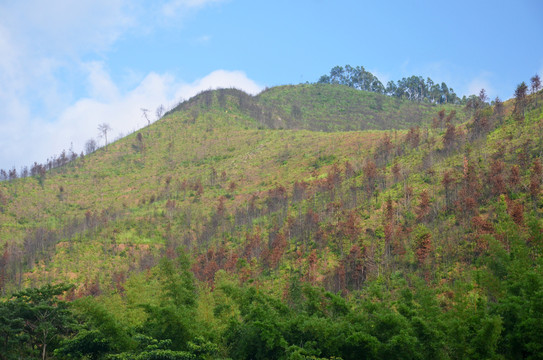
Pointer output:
x,y
67,66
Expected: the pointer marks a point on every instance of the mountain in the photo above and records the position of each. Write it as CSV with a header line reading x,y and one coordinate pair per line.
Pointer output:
x,y
275,223
221,147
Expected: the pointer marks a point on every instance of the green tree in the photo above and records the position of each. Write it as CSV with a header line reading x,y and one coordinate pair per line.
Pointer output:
x,y
47,319
152,349
174,318
12,335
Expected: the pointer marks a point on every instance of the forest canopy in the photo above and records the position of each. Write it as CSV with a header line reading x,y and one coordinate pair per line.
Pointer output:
x,y
412,88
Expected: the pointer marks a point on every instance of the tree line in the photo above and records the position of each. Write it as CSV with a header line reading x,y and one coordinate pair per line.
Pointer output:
x,y
414,88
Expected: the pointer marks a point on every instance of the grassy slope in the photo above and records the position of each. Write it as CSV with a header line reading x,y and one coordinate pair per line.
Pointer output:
x,y
341,108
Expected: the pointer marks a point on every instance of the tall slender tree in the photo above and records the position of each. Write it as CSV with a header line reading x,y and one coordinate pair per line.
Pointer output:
x,y
520,100
536,83
103,130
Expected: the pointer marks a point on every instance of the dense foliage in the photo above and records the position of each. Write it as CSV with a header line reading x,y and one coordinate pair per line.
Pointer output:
x,y
401,318
413,88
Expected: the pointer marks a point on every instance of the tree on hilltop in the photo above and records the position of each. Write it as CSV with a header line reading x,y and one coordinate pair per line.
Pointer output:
x,y
536,83
103,129
159,112
90,146
520,100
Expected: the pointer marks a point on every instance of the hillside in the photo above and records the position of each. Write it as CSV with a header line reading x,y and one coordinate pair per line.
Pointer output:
x,y
322,107
304,236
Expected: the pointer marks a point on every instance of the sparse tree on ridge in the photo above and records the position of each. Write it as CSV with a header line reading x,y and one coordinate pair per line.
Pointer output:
x,y
103,129
498,109
520,100
145,115
536,83
483,96
90,146
159,112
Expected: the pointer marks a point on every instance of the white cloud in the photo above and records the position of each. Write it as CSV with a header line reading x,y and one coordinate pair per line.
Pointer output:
x,y
482,81
383,78
219,79
204,39
64,26
179,7
100,85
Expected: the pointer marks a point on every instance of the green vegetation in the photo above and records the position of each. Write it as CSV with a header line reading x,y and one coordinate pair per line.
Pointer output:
x,y
235,228
413,88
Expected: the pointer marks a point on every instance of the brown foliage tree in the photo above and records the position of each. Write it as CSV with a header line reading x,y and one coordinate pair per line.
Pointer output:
x,y
370,173
396,171
299,190
450,117
310,223
499,110
514,178
423,247
516,211
276,250
448,184
312,262
535,181
384,148
389,210
355,271
413,137
221,208
198,187
277,198
520,101
481,227
424,206
118,279
536,83
253,245
349,170
496,180
441,117
537,169
449,138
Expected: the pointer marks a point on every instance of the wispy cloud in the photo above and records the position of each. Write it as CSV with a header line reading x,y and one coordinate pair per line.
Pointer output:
x,y
66,27
204,39
179,7
481,81
383,78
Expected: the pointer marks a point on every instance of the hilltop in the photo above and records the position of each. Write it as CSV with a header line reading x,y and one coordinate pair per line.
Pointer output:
x,y
321,203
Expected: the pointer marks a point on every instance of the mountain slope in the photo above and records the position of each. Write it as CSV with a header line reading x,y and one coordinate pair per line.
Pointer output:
x,y
300,244
190,158
322,107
